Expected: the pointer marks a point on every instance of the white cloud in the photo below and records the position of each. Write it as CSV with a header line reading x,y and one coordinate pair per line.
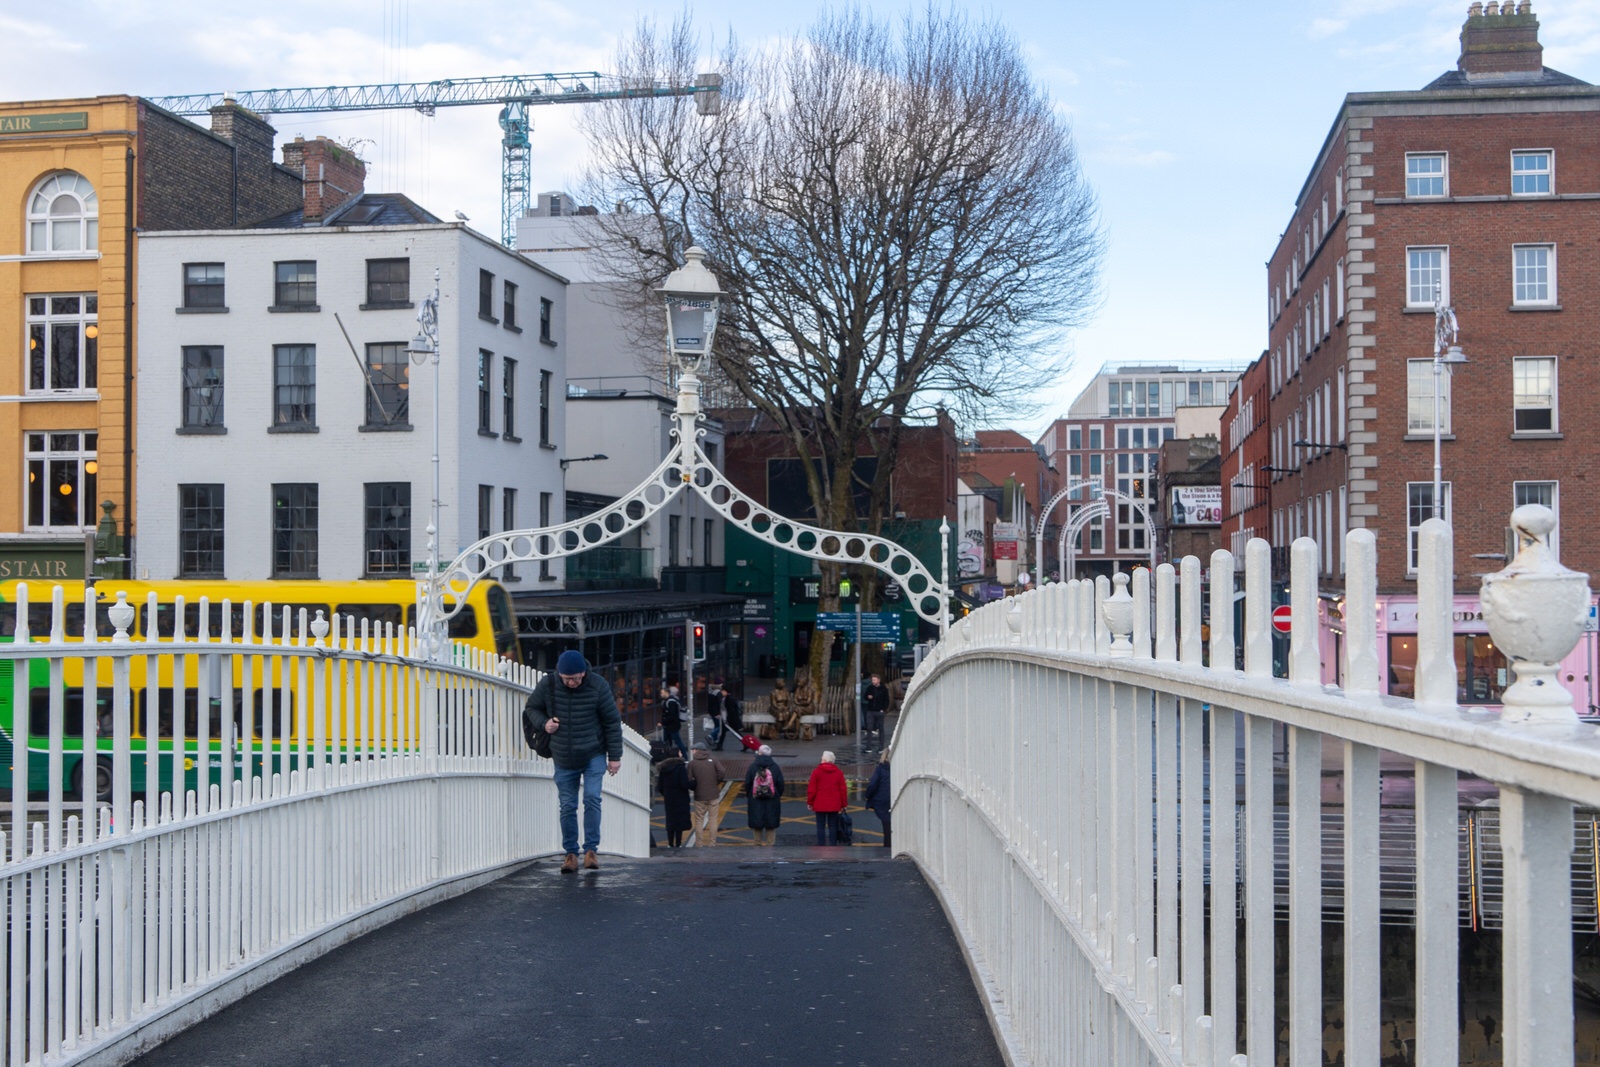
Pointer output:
x,y
1326,27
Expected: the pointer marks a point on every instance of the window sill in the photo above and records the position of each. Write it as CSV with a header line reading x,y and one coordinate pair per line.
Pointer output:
x,y
547,444
50,257
513,327
387,576
1534,307
1428,437
1428,310
548,578
486,433
200,431
62,394
388,305
201,311
295,428
290,309
1538,435
392,427
294,576
547,341
490,319
512,438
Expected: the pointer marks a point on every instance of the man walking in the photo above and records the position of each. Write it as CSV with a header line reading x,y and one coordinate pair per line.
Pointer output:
x,y
672,721
714,713
579,713
874,702
705,779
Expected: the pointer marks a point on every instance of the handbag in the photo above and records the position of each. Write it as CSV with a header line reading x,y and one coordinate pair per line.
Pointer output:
x,y
846,831
537,737
708,724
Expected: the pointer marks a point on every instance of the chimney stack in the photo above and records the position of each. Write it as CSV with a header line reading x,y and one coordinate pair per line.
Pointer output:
x,y
1500,39
331,174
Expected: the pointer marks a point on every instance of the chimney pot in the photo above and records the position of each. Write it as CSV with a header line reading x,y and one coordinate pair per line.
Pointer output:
x,y
1525,8
1503,41
1493,8
1475,10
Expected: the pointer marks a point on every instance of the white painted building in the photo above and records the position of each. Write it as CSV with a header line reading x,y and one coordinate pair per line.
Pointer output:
x,y
270,446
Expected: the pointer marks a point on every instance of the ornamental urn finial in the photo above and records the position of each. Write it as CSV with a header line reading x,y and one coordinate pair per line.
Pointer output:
x,y
1118,611
1536,610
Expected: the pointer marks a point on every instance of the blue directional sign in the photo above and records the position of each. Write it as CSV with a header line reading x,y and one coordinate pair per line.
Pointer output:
x,y
876,626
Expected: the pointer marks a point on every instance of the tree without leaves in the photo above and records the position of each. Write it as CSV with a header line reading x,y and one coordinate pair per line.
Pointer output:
x,y
896,213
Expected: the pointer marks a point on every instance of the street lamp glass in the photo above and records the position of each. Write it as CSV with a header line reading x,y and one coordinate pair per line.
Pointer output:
x,y
420,348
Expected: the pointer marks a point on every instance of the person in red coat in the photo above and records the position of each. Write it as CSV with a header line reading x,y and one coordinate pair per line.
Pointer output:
x,y
827,795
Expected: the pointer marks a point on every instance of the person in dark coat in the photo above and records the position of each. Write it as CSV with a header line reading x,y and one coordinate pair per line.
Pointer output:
x,y
576,708
765,812
878,797
874,702
673,781
672,721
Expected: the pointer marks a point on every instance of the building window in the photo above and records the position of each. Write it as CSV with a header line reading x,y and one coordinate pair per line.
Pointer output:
x,y
544,523
295,285
485,511
1534,394
673,539
200,516
203,285
508,521
485,409
1427,276
707,528
1425,174
202,387
1094,437
486,295
544,407
63,215
1533,274
509,318
294,530
388,282
63,346
1530,173
389,399
1419,509
1074,439
1546,493
544,321
388,528
61,480
508,399
294,386
1419,397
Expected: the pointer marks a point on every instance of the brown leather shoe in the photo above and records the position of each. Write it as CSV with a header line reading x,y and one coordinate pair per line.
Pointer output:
x,y
570,864
590,861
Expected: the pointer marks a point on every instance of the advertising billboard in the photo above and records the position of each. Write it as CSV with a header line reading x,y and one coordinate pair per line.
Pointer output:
x,y
1196,505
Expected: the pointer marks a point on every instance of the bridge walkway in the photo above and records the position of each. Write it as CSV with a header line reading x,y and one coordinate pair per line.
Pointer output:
x,y
713,956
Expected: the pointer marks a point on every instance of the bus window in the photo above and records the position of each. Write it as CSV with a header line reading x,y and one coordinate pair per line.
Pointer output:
x,y
379,614
191,714
72,705
39,620
191,619
294,617
463,625
503,621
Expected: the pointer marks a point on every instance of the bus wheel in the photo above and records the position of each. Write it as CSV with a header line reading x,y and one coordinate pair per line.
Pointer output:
x,y
102,780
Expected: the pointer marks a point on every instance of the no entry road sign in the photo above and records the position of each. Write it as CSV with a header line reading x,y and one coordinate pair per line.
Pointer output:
x,y
1282,616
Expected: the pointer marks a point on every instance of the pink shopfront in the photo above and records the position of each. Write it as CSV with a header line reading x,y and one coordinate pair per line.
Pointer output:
x,y
1482,672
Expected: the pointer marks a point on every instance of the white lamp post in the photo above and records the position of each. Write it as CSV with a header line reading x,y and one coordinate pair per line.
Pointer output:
x,y
1446,353
423,346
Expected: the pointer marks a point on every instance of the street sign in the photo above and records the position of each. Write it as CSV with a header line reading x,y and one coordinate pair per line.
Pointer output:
x,y
1592,623
876,626
1282,617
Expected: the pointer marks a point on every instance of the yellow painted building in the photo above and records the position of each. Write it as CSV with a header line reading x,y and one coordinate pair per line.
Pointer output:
x,y
78,179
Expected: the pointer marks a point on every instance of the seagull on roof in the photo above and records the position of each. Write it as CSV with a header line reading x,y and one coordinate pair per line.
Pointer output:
x,y
462,215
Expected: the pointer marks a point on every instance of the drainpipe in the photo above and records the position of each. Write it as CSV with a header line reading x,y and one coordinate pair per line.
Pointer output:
x,y
129,277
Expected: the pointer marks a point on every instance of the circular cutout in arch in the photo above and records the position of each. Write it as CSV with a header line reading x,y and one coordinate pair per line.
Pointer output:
x,y
901,564
830,545
879,553
855,548
806,542
740,511
928,606
917,584
655,495
783,533
721,494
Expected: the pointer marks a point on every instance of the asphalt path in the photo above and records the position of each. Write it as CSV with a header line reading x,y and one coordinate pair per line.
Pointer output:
x,y
806,956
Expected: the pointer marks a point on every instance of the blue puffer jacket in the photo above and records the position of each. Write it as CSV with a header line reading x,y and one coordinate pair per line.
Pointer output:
x,y
590,722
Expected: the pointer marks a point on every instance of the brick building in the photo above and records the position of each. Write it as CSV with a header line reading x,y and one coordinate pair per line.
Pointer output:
x,y
781,588
81,176
1111,437
1477,188
991,458
1246,491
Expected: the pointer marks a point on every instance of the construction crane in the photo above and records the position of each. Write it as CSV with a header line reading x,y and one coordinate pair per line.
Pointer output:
x,y
514,92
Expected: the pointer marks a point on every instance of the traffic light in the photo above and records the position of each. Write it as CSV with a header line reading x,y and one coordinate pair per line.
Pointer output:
x,y
697,645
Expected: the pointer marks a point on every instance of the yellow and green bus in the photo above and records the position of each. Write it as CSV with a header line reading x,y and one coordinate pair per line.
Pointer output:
x,y
267,716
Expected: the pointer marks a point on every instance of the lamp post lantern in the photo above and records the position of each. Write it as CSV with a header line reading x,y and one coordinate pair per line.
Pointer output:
x,y
1446,353
426,346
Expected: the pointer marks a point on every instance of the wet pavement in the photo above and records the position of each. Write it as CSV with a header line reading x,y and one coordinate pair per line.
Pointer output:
x,y
721,956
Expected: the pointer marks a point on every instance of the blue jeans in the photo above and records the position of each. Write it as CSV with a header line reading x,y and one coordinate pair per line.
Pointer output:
x,y
827,827
593,774
675,739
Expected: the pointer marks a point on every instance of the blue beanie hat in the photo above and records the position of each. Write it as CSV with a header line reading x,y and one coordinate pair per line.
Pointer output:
x,y
571,662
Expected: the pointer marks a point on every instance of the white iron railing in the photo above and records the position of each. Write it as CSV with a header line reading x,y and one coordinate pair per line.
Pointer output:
x,y
408,782
1055,779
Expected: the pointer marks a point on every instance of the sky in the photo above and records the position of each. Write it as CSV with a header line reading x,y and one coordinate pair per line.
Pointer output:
x,y
1196,123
